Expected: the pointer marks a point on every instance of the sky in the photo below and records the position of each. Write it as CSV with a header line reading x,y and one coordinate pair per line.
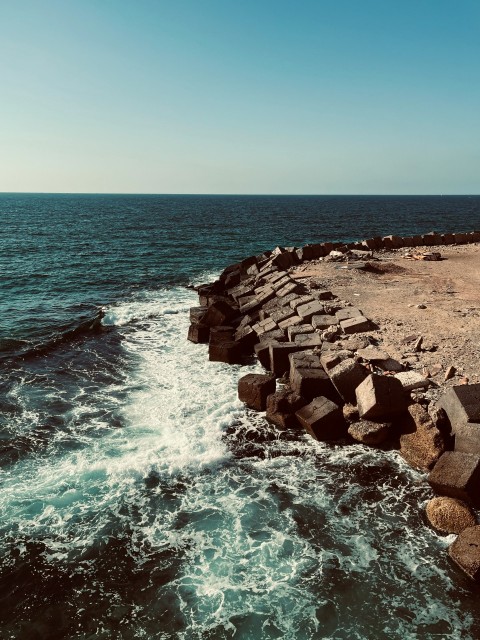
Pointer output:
x,y
240,96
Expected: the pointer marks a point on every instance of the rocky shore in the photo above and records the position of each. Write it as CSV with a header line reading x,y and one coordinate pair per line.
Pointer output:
x,y
334,371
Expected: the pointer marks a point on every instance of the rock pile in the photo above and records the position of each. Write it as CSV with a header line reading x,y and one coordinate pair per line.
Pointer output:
x,y
338,388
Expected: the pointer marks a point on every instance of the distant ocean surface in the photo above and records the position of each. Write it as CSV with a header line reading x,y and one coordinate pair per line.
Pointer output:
x,y
138,497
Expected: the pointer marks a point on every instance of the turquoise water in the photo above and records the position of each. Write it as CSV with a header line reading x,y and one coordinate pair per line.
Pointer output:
x,y
139,498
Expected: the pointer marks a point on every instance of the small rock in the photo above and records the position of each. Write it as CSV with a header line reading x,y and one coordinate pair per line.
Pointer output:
x,y
421,306
449,515
418,344
450,372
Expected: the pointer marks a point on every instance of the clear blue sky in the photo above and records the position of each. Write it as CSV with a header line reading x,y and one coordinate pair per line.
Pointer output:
x,y
240,96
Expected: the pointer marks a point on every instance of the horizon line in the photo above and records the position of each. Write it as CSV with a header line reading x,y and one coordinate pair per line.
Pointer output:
x,y
277,195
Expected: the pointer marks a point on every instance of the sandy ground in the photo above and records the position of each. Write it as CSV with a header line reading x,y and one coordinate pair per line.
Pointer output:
x,y
448,289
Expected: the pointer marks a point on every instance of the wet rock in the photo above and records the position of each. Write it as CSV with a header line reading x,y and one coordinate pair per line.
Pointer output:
x,y
221,334
281,408
465,552
198,333
218,313
449,515
254,389
322,419
457,475
380,397
196,313
370,433
228,352
421,443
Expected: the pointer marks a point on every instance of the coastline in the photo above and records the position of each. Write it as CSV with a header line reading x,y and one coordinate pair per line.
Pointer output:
x,y
310,316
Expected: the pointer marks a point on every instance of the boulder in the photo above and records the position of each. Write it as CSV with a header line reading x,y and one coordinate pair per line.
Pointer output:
x,y
457,475
465,552
281,408
370,433
323,419
198,333
461,404
380,397
254,389
421,443
449,515
347,375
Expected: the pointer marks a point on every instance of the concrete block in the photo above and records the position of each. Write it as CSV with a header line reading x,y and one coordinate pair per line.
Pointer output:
x,y
461,404
308,310
457,474
467,438
254,389
228,352
323,321
346,377
370,433
412,380
196,313
330,359
465,552
348,312
308,340
323,419
198,333
281,408
297,329
355,325
299,300
279,362
262,351
379,397
292,321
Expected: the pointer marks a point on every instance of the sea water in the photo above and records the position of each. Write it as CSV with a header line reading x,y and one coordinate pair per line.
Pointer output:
x,y
139,498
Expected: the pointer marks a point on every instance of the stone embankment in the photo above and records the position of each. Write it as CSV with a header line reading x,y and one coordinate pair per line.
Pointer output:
x,y
337,382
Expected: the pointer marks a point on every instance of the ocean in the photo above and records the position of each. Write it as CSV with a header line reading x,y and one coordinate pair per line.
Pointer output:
x,y
138,497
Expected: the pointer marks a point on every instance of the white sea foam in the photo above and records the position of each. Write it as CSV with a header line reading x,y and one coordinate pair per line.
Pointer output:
x,y
319,543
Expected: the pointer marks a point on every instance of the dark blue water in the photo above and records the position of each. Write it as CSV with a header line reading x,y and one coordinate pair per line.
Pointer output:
x,y
134,501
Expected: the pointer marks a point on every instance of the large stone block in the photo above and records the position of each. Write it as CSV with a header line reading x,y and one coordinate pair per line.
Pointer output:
x,y
297,329
300,300
346,376
323,321
461,404
421,443
308,310
282,313
218,313
221,334
198,333
308,379
279,362
281,408
262,351
254,389
380,397
332,358
467,438
228,352
246,337
323,419
292,321
196,313
355,325
457,475
348,312
308,340
465,552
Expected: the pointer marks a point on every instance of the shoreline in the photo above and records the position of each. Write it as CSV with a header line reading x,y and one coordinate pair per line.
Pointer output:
x,y
334,372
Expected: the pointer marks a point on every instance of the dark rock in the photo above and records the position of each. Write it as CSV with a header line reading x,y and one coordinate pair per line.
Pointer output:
x,y
281,408
380,397
254,389
198,333
218,313
221,334
228,352
262,351
279,362
308,379
196,313
465,552
323,419
457,475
